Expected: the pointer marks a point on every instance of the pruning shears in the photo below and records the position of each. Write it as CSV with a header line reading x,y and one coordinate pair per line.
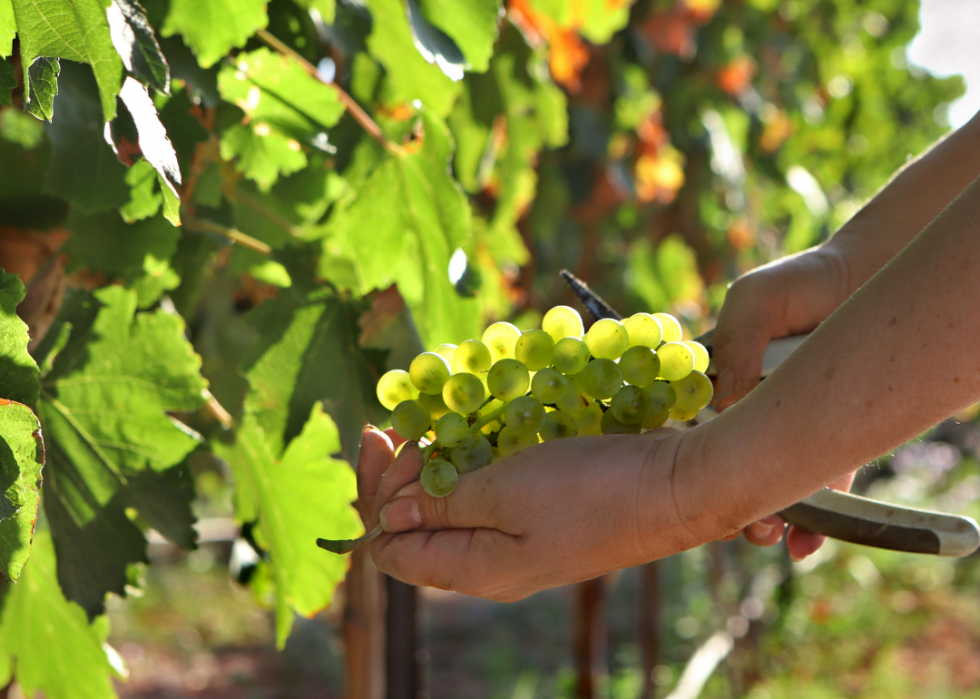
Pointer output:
x,y
834,513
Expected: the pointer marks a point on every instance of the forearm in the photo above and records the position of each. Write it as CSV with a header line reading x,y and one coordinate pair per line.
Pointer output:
x,y
900,355
906,205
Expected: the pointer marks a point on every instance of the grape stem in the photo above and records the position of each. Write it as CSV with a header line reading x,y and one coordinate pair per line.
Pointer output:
x,y
487,419
430,450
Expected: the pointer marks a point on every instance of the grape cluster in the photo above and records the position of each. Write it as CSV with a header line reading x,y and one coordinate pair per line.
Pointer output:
x,y
490,398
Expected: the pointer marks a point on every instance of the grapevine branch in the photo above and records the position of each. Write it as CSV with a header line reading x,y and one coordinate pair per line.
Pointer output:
x,y
359,115
246,241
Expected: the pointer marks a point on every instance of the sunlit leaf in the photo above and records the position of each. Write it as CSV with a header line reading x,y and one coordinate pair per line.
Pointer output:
x,y
213,27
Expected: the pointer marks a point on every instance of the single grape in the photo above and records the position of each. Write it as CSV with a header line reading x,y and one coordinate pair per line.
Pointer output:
x,y
395,386
410,420
589,420
439,478
535,349
510,441
671,327
500,339
508,379
681,415
602,378
662,396
571,355
640,365
472,357
630,405
676,360
463,393
472,453
446,351
548,386
701,357
524,414
575,398
607,339
434,404
610,425
451,428
429,372
694,392
558,425
644,330
655,420
561,322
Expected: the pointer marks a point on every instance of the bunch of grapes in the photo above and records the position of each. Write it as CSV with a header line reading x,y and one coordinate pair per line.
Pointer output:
x,y
488,399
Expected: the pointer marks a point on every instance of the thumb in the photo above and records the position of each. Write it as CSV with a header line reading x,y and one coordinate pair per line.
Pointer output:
x,y
467,507
738,342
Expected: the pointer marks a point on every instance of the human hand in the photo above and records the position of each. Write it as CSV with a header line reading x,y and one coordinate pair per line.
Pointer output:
x,y
556,513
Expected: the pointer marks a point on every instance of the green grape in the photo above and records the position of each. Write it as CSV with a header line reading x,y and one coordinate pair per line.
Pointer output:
x,y
644,330
558,425
535,349
463,393
571,355
434,404
662,396
607,339
472,453
410,420
472,357
681,415
671,327
701,358
630,405
694,392
548,386
395,386
508,379
500,339
451,429
676,360
429,372
446,351
510,441
589,420
655,420
524,414
575,399
561,322
439,478
610,425
601,378
640,365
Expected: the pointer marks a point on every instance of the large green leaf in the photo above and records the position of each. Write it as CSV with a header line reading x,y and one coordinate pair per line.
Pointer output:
x,y
104,407
213,27
472,25
308,354
18,372
263,155
43,86
74,29
21,459
408,76
8,27
137,45
54,647
417,217
303,495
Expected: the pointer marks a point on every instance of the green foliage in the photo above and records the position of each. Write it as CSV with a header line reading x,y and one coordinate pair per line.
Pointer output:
x,y
43,87
18,372
213,27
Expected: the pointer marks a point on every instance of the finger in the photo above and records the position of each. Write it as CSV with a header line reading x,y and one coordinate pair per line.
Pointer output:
x,y
403,470
844,482
766,532
802,543
374,458
473,504
744,328
731,536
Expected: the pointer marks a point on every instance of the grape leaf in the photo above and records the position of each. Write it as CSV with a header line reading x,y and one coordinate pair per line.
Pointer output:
x,y
56,650
21,459
263,155
301,333
408,76
153,140
303,495
418,216
435,45
144,199
43,87
137,45
471,25
104,406
83,168
18,371
8,27
213,27
74,29
7,80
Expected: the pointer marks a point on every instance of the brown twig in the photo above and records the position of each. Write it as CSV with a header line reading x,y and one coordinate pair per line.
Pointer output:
x,y
217,411
359,115
246,241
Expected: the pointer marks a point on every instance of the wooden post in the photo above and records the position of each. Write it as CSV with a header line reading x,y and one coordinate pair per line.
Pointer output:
x,y
649,630
590,637
404,680
364,629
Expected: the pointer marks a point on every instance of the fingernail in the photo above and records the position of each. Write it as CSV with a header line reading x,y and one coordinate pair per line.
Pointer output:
x,y
724,385
368,427
762,529
400,515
